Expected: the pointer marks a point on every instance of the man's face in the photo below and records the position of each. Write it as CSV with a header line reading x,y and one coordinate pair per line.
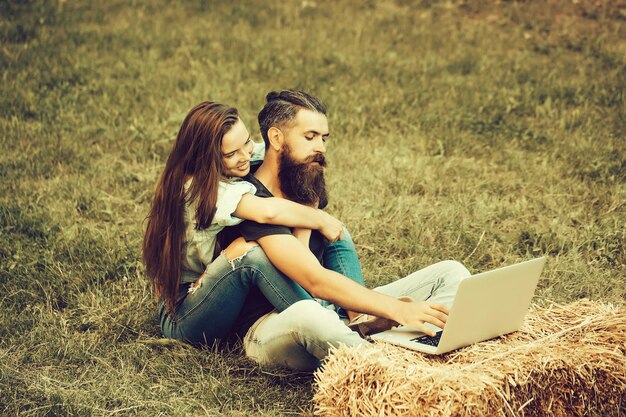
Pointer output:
x,y
306,138
302,161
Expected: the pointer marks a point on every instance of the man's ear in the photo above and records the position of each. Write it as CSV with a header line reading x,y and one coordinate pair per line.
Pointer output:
x,y
276,138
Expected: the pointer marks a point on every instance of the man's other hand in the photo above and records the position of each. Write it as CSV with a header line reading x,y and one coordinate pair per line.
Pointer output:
x,y
330,228
415,314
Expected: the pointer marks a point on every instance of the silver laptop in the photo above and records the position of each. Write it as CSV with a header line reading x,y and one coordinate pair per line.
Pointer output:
x,y
486,305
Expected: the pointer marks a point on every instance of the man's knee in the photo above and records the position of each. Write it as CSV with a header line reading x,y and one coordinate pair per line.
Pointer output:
x,y
454,269
304,310
311,317
317,328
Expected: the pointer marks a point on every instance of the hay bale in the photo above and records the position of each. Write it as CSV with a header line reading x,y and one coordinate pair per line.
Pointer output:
x,y
565,361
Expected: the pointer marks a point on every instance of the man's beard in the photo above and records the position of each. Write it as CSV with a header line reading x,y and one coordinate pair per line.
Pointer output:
x,y
303,182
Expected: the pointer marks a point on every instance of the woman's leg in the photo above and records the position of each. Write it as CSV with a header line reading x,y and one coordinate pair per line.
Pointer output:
x,y
257,270
214,302
341,257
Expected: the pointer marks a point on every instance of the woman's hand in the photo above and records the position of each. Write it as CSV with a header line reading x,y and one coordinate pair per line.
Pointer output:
x,y
415,314
330,227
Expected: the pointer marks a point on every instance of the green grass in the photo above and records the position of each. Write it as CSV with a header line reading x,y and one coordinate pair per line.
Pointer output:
x,y
487,133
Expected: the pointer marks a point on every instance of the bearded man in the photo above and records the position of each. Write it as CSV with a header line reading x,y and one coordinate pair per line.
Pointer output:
x,y
295,129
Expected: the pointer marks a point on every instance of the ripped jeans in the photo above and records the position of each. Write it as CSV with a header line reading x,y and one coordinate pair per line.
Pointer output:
x,y
211,308
341,257
230,291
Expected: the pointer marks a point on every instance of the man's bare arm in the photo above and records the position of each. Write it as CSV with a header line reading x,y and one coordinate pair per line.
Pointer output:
x,y
297,262
274,210
303,235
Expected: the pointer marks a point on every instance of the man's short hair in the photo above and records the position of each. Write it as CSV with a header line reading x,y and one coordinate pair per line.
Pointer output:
x,y
281,108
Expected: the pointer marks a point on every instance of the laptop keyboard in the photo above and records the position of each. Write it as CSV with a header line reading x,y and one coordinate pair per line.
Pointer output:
x,y
429,340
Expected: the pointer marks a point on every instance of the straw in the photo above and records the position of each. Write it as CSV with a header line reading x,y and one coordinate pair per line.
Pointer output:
x,y
566,360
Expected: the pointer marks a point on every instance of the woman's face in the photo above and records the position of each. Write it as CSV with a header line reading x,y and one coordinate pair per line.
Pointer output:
x,y
237,150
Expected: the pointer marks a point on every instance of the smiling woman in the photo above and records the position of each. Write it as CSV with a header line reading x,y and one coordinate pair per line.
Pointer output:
x,y
198,194
237,147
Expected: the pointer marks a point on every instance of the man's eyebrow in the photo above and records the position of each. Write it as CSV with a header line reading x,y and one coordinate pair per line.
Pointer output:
x,y
235,150
315,132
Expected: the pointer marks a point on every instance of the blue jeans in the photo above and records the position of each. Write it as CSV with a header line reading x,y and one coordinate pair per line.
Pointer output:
x,y
210,310
341,257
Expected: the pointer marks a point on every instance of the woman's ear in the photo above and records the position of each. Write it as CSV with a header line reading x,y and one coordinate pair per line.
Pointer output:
x,y
276,138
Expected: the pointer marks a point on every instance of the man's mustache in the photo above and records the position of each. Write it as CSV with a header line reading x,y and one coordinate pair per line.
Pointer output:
x,y
318,157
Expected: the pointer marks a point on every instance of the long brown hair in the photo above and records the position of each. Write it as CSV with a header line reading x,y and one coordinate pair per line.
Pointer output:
x,y
197,154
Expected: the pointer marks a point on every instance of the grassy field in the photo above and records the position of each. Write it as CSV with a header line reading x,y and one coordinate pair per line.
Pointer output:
x,y
478,131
